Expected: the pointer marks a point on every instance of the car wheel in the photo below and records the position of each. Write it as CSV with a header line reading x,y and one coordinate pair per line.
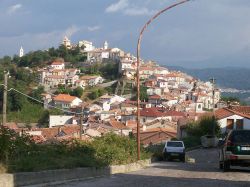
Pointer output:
x,y
165,157
169,158
182,158
221,165
226,166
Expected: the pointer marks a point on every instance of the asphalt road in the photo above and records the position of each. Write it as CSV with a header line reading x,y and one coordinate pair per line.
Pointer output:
x,y
204,172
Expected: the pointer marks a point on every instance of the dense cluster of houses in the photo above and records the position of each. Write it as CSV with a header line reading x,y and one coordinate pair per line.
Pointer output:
x,y
174,98
56,74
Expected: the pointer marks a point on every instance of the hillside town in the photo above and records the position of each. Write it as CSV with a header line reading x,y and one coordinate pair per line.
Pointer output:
x,y
113,93
173,99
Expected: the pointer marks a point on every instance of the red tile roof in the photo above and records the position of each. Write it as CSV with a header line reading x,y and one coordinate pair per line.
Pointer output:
x,y
57,63
241,109
151,112
64,98
157,135
174,113
226,112
155,96
116,124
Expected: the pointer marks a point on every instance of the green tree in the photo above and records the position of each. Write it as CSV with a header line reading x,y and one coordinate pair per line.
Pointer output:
x,y
77,92
207,125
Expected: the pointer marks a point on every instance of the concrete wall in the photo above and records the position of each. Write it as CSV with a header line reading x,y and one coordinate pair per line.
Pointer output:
x,y
63,175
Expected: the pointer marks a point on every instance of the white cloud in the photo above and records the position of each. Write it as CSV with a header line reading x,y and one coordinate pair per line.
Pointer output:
x,y
129,9
138,11
71,31
120,5
12,9
94,28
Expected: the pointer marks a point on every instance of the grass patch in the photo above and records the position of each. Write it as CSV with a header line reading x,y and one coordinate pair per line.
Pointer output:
x,y
31,113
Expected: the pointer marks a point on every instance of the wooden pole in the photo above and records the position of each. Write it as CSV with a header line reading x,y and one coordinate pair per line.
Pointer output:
x,y
5,97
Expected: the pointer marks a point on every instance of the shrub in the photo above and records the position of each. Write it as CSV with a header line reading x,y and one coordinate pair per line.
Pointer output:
x,y
114,149
191,141
156,151
20,154
205,126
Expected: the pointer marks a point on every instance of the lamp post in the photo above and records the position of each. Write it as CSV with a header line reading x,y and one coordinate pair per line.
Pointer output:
x,y
138,68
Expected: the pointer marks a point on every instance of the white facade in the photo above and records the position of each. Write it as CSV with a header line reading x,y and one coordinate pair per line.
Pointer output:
x,y
88,46
66,105
57,120
223,122
57,65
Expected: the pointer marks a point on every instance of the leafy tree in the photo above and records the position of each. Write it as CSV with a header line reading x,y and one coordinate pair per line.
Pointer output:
x,y
93,95
143,93
44,119
77,92
37,93
205,126
109,70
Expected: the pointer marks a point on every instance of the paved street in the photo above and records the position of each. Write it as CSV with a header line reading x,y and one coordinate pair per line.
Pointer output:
x,y
204,172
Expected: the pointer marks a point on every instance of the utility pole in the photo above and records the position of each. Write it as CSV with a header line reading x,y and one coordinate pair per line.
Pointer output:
x,y
5,97
212,80
81,119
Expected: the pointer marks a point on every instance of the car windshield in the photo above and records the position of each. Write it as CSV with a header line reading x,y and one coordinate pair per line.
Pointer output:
x,y
241,137
174,144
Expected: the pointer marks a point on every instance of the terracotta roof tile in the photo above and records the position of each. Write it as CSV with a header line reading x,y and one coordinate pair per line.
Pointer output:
x,y
151,112
64,98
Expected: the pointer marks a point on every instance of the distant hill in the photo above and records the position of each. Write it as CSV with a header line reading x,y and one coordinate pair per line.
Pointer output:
x,y
228,77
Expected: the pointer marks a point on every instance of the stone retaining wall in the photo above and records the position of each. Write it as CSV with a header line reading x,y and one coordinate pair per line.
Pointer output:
x,y
63,175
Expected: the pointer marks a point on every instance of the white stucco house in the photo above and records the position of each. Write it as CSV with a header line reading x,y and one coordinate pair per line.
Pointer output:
x,y
66,101
92,80
57,65
230,119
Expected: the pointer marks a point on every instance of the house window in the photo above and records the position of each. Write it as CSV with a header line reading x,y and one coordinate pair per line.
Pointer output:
x,y
239,124
230,124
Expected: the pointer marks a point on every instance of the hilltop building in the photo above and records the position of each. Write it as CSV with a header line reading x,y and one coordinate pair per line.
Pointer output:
x,y
66,42
21,52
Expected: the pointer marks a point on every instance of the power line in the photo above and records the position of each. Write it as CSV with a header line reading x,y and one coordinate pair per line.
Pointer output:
x,y
40,101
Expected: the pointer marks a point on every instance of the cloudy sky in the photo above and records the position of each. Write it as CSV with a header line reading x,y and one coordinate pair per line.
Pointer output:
x,y
200,33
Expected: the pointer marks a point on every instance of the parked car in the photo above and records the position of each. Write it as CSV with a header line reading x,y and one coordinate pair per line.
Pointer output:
x,y
236,150
174,149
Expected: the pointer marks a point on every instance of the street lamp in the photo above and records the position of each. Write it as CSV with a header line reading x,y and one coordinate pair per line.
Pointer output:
x,y
138,68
